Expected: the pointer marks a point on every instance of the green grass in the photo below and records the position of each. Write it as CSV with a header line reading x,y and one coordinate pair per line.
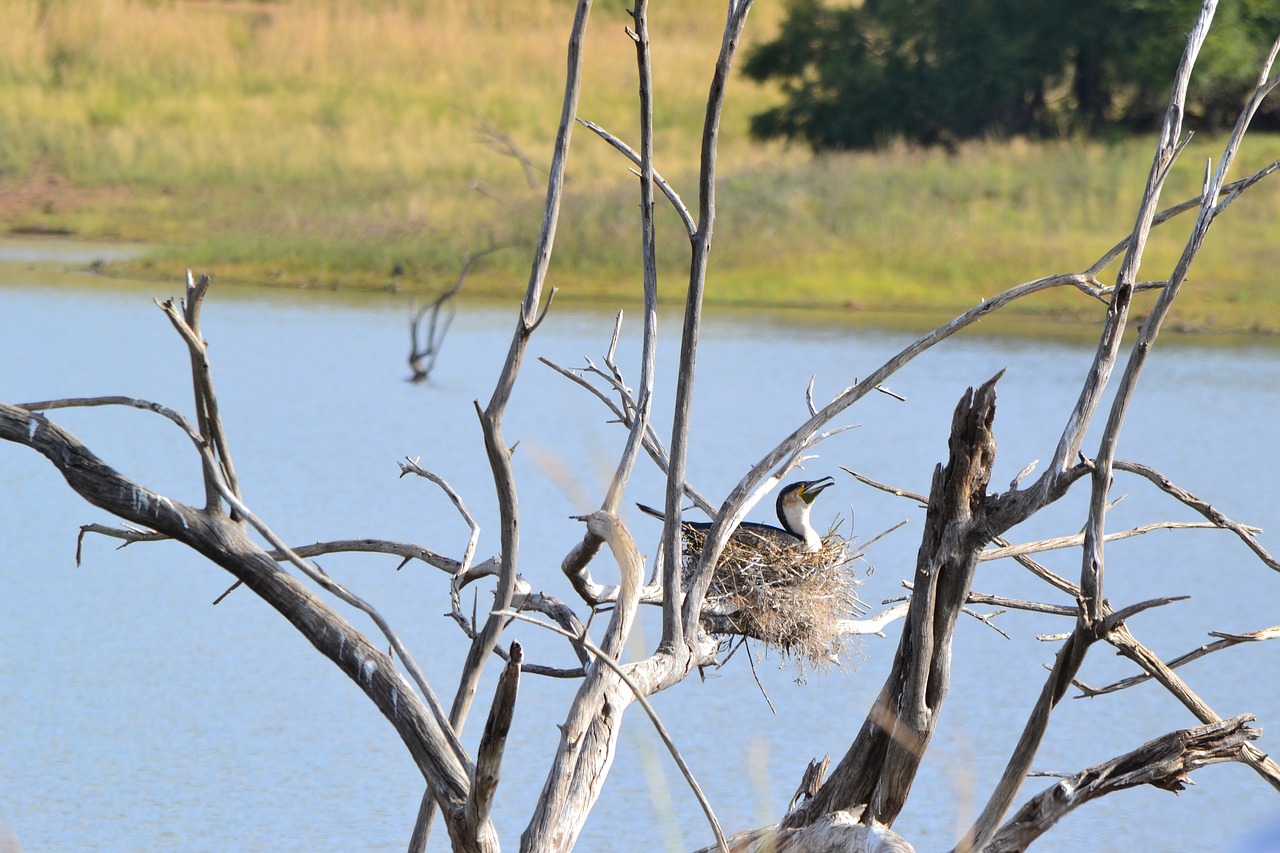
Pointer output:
x,y
341,145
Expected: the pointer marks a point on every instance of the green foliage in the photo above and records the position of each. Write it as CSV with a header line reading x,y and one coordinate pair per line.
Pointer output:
x,y
936,71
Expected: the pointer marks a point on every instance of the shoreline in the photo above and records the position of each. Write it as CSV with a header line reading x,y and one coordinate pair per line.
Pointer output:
x,y
108,262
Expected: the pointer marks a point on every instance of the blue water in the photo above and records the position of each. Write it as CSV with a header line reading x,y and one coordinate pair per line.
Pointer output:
x,y
135,716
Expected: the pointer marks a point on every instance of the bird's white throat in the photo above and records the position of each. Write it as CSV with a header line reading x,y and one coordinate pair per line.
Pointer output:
x,y
795,512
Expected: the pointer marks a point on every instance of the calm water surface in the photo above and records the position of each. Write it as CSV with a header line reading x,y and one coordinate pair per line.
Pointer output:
x,y
135,716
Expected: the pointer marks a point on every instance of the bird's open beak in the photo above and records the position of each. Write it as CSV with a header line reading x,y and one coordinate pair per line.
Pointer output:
x,y
813,488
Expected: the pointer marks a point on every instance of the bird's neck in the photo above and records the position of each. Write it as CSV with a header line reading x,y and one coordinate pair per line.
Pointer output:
x,y
795,518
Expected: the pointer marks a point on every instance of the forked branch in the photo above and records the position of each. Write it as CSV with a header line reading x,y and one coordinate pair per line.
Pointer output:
x,y
1164,763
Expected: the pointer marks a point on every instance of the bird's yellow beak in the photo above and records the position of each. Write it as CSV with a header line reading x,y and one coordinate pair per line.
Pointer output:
x,y
810,490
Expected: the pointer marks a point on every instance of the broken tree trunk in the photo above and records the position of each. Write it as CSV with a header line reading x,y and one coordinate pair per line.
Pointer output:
x,y
880,766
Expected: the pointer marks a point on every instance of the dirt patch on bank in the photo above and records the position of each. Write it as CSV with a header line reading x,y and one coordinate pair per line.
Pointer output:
x,y
38,202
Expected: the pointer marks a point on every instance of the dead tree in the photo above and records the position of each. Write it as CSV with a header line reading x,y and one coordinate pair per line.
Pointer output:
x,y
854,807
426,342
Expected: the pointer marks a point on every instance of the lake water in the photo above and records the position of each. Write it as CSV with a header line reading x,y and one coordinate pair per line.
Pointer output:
x,y
135,716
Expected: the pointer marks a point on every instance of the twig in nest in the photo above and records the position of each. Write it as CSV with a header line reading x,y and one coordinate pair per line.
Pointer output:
x,y
782,595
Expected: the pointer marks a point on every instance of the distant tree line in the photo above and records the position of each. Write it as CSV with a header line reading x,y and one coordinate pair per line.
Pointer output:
x,y
857,75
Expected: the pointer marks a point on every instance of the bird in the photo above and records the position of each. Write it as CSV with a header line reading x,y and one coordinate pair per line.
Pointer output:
x,y
794,502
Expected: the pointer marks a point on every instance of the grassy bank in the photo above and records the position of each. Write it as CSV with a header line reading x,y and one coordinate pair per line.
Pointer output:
x,y
370,145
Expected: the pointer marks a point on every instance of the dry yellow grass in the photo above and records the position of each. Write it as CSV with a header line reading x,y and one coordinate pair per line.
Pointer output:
x,y
392,87
338,142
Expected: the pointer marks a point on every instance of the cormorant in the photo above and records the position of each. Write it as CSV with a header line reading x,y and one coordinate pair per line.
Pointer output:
x,y
794,502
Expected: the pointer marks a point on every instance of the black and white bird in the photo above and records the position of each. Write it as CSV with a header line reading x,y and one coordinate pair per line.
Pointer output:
x,y
794,502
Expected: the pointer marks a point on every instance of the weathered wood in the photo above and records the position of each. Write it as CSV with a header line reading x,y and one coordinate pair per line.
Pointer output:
x,y
434,749
1216,517
532,312
1227,641
850,811
207,417
810,782
880,766
588,737
837,832
1094,607
424,348
1164,762
681,615
484,777
1265,766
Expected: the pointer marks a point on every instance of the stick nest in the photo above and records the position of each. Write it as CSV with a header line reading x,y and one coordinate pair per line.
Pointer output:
x,y
793,600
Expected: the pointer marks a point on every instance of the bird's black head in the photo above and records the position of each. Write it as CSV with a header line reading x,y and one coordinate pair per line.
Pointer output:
x,y
793,505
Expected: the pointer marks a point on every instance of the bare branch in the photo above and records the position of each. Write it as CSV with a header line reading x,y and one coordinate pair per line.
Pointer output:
x,y
127,535
1019,604
874,624
1091,579
1007,603
686,218
649,259
210,421
987,619
1229,193
437,754
679,622
1227,641
1128,645
563,615
411,466
638,693
425,349
114,400
207,417
1060,542
893,490
491,416
1116,619
502,143
652,444
484,778
406,550
1246,533
1164,762
1118,310
1091,575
